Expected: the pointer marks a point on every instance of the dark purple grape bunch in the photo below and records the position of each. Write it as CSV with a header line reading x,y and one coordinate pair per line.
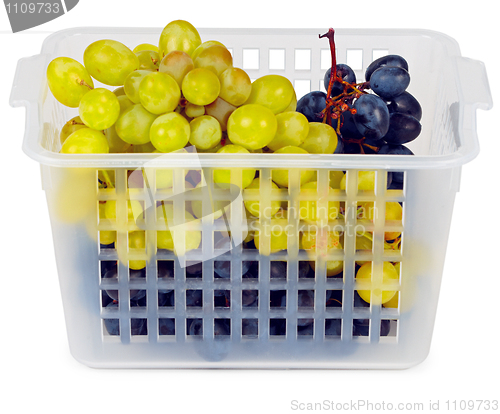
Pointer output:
x,y
366,121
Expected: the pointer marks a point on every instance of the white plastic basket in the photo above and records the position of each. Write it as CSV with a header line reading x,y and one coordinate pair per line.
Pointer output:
x,y
448,86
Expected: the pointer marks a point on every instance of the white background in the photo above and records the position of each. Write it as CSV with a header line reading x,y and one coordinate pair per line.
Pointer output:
x,y
464,358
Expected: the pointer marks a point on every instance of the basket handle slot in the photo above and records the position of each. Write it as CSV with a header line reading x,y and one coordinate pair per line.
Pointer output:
x,y
28,87
475,94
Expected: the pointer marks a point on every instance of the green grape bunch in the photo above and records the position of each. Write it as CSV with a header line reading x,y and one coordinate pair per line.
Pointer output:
x,y
182,91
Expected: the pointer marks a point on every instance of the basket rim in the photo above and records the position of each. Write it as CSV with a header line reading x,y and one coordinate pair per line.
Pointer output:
x,y
467,151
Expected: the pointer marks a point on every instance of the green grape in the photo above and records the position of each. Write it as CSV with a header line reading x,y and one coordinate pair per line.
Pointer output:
x,y
110,61
159,93
252,126
217,207
201,86
321,139
166,240
165,177
336,179
323,245
124,102
146,148
206,132
275,92
148,59
280,177
376,295
310,210
133,125
134,210
293,128
194,111
85,141
327,240
73,196
215,58
393,212
394,302
366,181
116,144
364,241
292,107
170,132
176,64
99,109
253,206
145,46
68,81
132,82
235,86
119,91
179,35
220,110
271,238
137,241
223,178
203,46
105,236
74,124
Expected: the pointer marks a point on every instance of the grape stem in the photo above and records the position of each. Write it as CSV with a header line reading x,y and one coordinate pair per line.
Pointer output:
x,y
83,83
337,105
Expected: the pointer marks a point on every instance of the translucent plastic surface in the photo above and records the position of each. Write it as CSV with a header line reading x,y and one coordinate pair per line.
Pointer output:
x,y
213,306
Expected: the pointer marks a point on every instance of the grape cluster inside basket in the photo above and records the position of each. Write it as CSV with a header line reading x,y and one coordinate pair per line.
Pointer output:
x,y
298,317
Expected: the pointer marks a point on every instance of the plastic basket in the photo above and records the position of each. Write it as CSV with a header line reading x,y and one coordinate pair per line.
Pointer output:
x,y
268,332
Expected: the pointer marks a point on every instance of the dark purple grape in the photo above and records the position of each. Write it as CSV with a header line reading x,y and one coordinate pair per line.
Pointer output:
x,y
194,326
345,73
361,327
112,325
138,326
397,176
397,149
137,294
403,128
305,326
222,268
405,103
333,299
305,298
278,270
389,81
222,298
166,326
222,327
305,271
165,269
348,128
333,327
277,298
194,271
372,116
250,327
166,298
277,327
249,298
194,298
389,60
311,105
